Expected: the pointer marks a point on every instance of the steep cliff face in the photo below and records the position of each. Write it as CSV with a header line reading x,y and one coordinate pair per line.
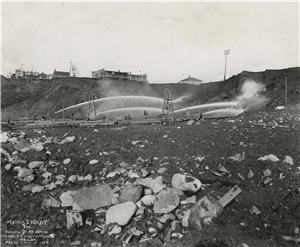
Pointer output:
x,y
46,97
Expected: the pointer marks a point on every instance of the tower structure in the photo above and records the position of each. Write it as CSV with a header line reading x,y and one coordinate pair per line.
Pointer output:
x,y
92,110
167,108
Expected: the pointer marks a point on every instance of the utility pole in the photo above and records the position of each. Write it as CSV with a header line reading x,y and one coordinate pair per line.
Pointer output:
x,y
70,68
93,95
25,105
286,75
63,110
226,52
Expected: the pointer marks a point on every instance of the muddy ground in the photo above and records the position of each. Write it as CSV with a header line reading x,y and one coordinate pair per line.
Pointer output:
x,y
214,139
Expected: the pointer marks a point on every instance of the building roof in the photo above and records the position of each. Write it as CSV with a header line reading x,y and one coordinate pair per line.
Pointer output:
x,y
61,73
191,79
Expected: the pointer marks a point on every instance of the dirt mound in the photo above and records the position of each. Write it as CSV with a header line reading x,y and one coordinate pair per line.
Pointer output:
x,y
45,97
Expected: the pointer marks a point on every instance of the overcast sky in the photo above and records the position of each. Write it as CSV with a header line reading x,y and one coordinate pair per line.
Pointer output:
x,y
167,41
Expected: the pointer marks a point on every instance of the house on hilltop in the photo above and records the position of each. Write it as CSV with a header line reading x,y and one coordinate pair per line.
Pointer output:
x,y
60,74
29,75
108,74
190,80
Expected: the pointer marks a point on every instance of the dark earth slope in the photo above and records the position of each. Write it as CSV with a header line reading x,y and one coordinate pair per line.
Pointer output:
x,y
45,97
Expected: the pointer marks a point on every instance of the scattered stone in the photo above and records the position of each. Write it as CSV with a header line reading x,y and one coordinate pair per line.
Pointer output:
x,y
35,164
288,160
123,164
267,172
161,170
176,235
174,191
72,178
279,108
185,219
115,230
13,140
89,221
190,122
76,207
223,169
112,174
50,186
92,162
147,191
6,154
4,137
131,192
273,124
78,242
238,157
186,182
152,231
165,202
54,163
148,200
254,210
155,184
18,162
270,157
37,188
250,174
204,211
50,202
67,198
37,147
22,146
60,179
24,172
47,176
200,158
66,161
8,166
29,178
96,244
94,197
67,140
166,217
120,213
191,199
144,172
27,187
73,218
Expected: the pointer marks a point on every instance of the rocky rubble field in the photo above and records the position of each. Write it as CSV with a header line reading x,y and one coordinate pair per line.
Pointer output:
x,y
154,185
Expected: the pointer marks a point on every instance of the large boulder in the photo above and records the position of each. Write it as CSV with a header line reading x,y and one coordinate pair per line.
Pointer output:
x,y
121,213
166,202
155,184
203,212
131,192
94,197
4,137
22,146
186,182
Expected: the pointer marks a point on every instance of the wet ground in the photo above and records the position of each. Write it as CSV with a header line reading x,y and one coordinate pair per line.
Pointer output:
x,y
179,149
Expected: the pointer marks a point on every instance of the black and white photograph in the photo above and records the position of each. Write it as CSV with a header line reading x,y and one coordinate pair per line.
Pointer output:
x,y
150,123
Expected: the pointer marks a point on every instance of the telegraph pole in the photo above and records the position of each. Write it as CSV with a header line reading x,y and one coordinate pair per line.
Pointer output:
x,y
63,110
25,105
286,75
226,52
93,95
